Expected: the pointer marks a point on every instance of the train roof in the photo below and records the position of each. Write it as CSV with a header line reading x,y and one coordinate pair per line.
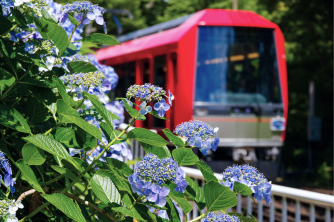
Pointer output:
x,y
169,33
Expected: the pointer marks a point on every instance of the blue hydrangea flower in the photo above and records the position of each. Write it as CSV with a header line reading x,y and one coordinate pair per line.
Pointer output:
x,y
144,109
249,176
161,107
151,173
146,92
158,195
84,11
170,98
212,217
263,191
6,171
198,134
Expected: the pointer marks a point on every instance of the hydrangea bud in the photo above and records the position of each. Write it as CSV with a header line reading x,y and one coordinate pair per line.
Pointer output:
x,y
198,134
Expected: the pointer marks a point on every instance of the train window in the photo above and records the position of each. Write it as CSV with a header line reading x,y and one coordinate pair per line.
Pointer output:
x,y
126,73
236,65
160,71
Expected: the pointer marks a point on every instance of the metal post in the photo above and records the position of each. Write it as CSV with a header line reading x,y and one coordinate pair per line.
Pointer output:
x,y
272,210
284,210
249,205
297,214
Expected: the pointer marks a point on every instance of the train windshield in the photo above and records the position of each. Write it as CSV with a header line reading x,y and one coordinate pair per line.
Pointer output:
x,y
236,65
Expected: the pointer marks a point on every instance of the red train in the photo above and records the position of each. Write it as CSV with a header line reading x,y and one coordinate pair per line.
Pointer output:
x,y
225,67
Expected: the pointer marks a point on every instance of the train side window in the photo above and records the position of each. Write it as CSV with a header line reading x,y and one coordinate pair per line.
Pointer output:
x,y
127,75
160,71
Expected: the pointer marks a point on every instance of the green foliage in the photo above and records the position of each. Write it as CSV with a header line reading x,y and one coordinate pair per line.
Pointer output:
x,y
218,197
185,156
104,188
65,205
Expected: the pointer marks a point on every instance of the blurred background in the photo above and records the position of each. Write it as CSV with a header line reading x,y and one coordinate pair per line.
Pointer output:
x,y
308,30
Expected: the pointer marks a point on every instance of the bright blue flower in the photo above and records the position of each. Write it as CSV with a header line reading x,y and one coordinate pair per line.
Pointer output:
x,y
250,177
198,134
161,107
212,217
144,109
158,195
263,190
96,15
153,172
170,98
6,170
195,141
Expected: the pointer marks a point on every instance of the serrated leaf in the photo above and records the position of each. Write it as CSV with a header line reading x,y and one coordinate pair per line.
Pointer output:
x,y
120,166
206,171
33,155
29,175
161,152
179,198
73,20
195,192
147,136
11,118
101,39
62,90
133,112
101,109
50,145
65,205
185,156
5,25
81,67
53,32
65,171
104,188
218,197
66,136
6,79
242,189
174,139
83,124
172,212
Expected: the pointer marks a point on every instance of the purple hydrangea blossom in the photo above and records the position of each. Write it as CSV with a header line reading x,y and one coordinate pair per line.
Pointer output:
x,y
212,217
6,171
250,177
161,107
144,108
198,134
153,173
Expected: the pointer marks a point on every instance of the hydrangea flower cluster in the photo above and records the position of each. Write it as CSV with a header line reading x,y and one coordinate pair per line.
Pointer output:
x,y
84,79
8,209
250,177
85,12
148,92
151,173
212,217
198,134
6,170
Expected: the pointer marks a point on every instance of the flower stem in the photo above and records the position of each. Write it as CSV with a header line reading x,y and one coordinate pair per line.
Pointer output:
x,y
198,218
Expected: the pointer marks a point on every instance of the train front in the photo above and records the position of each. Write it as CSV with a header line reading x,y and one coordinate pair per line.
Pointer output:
x,y
238,88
